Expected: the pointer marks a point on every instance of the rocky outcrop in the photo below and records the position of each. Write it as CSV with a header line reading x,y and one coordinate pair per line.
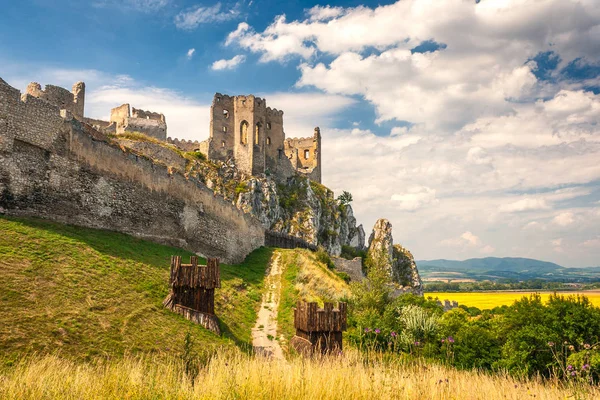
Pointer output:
x,y
399,262
405,270
303,209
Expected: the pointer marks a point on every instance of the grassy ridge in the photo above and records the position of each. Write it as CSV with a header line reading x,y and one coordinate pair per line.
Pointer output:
x,y
84,293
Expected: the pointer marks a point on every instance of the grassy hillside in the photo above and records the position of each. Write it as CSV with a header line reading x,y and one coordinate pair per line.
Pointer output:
x,y
83,293
305,277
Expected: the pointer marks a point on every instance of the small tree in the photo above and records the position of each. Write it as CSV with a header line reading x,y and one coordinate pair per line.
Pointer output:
x,y
345,198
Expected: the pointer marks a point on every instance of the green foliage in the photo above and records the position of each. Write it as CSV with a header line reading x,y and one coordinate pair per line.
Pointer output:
x,y
323,256
418,325
344,276
345,198
558,338
242,187
196,155
349,252
190,358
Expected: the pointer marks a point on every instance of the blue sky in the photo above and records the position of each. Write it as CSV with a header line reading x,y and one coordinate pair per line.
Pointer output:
x,y
474,127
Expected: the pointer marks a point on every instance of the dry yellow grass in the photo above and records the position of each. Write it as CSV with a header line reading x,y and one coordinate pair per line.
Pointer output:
x,y
489,300
243,377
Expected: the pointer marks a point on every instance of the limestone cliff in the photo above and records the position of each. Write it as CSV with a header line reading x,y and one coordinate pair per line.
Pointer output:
x,y
400,263
304,209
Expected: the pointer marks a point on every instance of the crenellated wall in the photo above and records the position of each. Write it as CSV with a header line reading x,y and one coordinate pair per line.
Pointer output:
x,y
65,170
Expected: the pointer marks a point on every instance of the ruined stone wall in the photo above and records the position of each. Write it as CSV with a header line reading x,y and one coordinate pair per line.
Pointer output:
x,y
274,139
65,170
189,145
118,115
137,113
65,100
153,128
305,155
222,128
129,119
264,147
102,126
243,143
351,267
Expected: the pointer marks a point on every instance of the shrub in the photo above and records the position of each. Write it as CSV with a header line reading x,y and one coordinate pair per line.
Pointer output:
x,y
345,198
323,256
349,252
344,276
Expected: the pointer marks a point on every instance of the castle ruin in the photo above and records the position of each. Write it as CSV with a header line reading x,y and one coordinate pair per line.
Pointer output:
x,y
130,119
59,165
244,129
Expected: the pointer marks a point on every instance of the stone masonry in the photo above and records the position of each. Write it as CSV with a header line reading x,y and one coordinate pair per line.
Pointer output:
x,y
243,128
55,165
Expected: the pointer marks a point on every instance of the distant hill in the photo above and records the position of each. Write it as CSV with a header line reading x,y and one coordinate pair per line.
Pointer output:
x,y
495,268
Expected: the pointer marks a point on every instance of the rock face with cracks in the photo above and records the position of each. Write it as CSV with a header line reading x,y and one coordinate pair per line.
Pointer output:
x,y
400,263
304,209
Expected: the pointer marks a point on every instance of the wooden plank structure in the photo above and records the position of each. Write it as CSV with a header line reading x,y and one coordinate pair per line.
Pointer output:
x,y
319,329
192,291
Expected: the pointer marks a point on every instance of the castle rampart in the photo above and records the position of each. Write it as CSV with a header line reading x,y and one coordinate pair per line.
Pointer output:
x,y
65,170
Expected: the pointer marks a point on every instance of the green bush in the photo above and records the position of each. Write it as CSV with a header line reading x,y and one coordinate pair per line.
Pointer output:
x,y
344,276
349,252
323,256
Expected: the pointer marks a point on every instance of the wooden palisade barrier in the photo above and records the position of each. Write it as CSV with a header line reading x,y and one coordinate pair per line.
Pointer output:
x,y
319,329
192,291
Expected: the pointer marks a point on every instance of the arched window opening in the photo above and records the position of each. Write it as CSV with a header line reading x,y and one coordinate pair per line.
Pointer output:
x,y
268,125
280,153
223,143
244,132
225,114
224,129
268,141
306,154
257,134
218,99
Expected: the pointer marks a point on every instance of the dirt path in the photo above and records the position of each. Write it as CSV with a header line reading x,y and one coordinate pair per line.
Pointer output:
x,y
264,332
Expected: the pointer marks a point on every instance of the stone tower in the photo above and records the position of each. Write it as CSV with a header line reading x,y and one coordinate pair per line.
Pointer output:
x,y
244,128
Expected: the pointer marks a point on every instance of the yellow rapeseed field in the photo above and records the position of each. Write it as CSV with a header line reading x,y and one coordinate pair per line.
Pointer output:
x,y
489,300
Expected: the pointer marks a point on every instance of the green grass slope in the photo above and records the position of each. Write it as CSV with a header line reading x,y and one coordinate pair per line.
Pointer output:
x,y
305,277
83,293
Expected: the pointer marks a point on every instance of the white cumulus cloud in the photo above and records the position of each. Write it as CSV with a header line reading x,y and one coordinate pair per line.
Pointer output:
x,y
228,64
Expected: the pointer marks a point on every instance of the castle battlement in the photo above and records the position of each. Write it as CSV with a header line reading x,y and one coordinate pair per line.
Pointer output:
x,y
243,128
72,101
